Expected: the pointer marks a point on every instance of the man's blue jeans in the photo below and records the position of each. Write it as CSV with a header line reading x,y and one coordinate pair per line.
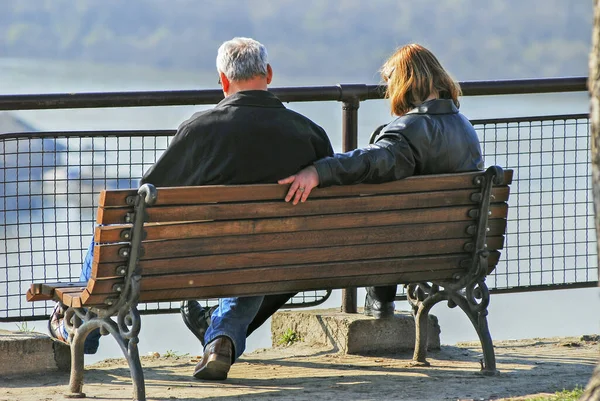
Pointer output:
x,y
230,319
92,341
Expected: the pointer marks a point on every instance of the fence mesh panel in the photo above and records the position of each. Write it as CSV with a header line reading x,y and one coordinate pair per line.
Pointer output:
x,y
49,185
551,238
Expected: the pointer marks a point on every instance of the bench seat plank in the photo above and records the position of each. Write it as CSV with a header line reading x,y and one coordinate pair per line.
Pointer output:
x,y
233,211
160,231
71,296
47,291
231,193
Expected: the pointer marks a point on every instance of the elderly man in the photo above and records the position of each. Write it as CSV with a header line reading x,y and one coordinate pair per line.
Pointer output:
x,y
249,137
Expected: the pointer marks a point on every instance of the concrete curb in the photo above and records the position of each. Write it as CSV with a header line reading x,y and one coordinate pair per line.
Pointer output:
x,y
352,333
30,352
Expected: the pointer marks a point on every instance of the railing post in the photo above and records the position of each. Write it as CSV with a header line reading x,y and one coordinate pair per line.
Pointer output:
x,y
349,142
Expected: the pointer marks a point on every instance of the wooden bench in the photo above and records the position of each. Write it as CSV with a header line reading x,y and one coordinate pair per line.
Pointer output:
x,y
438,234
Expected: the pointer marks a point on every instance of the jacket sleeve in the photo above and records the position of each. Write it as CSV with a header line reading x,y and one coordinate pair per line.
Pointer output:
x,y
390,158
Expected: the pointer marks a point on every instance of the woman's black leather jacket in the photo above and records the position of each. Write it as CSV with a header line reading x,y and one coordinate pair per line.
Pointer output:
x,y
433,138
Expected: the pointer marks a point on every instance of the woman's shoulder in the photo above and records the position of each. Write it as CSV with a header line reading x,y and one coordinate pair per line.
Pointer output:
x,y
406,123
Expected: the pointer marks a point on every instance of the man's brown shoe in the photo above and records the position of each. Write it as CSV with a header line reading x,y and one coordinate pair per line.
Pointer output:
x,y
216,361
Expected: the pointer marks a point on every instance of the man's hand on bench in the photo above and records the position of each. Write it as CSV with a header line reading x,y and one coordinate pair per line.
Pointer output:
x,y
302,183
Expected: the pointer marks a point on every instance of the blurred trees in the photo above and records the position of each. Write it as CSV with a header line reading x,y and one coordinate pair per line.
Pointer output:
x,y
346,39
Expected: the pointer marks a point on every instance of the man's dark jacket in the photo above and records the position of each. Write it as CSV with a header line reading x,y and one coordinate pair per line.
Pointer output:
x,y
433,138
250,137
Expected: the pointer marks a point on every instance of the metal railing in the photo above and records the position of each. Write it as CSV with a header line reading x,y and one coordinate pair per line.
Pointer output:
x,y
49,183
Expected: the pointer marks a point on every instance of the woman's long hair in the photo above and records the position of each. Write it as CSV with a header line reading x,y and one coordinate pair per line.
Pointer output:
x,y
412,74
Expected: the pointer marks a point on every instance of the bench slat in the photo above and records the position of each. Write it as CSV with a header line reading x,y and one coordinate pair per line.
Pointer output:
x,y
280,208
288,272
105,234
268,288
231,193
46,291
293,240
31,297
70,297
442,272
294,256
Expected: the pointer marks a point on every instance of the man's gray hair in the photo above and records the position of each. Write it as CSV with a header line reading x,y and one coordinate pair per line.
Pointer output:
x,y
241,59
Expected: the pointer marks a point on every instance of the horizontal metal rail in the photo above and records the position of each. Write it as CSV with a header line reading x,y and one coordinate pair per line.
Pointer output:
x,y
341,93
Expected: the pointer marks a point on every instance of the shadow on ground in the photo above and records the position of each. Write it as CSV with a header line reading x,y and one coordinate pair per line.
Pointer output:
x,y
311,373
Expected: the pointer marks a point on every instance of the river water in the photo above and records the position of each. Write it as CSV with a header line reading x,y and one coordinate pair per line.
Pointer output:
x,y
511,316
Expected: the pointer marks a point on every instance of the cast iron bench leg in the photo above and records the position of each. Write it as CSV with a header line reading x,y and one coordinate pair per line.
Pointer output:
x,y
422,297
78,332
477,313
125,332
77,357
421,331
473,301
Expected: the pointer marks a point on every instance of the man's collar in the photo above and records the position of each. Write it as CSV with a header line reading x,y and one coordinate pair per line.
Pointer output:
x,y
435,106
256,98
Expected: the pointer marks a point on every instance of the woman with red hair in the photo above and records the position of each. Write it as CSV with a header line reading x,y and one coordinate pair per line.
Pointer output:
x,y
429,136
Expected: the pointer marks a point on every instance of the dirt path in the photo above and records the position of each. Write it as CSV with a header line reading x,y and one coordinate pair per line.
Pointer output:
x,y
309,373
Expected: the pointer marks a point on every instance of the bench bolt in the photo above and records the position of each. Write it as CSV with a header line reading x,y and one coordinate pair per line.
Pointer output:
x,y
476,197
129,217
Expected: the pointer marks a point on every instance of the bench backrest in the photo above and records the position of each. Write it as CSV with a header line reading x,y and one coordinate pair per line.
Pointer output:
x,y
212,241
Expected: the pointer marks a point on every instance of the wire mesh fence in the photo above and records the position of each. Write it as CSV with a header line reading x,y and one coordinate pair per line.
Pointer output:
x,y
551,240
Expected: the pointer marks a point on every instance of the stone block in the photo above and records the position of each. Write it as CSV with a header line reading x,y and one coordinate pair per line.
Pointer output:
x,y
30,352
353,333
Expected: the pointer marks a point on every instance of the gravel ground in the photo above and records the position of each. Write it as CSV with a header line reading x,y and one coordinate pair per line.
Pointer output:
x,y
300,372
